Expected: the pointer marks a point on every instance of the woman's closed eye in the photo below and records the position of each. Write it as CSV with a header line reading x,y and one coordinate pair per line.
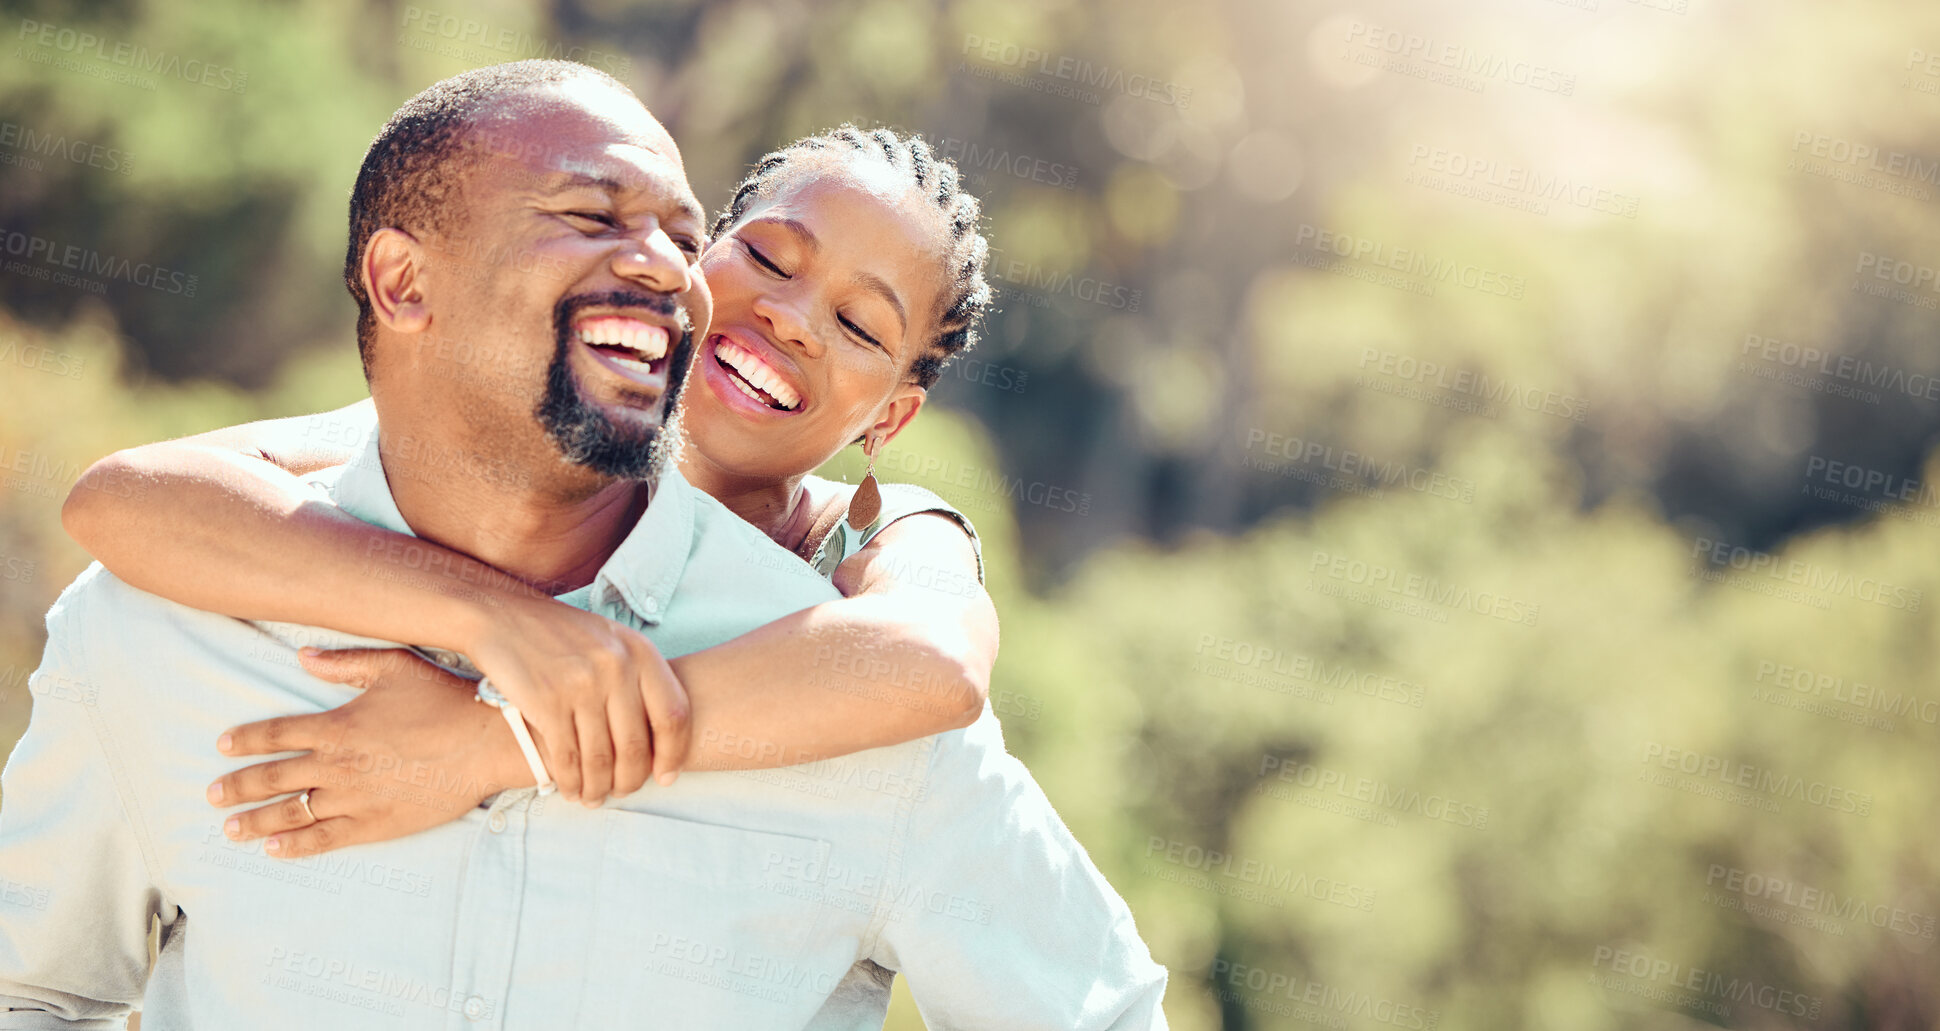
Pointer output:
x,y
762,260
776,270
858,331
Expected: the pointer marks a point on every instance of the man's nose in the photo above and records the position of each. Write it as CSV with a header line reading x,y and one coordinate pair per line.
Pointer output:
x,y
653,260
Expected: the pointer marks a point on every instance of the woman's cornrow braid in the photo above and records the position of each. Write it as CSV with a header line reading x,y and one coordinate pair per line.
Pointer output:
x,y
935,177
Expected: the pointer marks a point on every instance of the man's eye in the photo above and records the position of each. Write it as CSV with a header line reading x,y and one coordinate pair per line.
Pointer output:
x,y
858,330
762,260
594,216
688,244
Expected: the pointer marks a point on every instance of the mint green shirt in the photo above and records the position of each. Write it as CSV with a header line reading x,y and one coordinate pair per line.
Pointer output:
x,y
769,899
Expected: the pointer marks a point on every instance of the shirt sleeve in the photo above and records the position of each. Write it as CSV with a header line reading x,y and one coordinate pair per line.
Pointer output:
x,y
998,917
901,500
76,898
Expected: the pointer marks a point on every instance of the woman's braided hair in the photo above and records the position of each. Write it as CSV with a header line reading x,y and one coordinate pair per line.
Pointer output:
x,y
937,178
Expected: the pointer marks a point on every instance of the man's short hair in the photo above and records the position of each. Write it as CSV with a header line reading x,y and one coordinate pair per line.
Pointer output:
x,y
411,174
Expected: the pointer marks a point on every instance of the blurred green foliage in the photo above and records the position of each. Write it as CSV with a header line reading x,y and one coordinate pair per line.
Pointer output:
x,y
1236,530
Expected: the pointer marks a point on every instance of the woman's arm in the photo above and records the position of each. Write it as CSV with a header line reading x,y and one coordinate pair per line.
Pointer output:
x,y
906,654
221,526
226,524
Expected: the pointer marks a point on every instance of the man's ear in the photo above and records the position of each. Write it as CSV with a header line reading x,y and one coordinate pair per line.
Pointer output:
x,y
393,273
902,407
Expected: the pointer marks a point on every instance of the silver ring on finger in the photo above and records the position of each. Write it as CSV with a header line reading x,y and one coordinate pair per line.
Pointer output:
x,y
304,801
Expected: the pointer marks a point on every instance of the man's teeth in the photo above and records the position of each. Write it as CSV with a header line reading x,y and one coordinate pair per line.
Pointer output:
x,y
648,343
751,368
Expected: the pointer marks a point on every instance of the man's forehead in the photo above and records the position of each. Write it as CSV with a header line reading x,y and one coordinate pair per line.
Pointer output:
x,y
583,108
592,135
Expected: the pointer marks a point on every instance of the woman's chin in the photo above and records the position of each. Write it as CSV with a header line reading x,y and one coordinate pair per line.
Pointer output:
x,y
737,449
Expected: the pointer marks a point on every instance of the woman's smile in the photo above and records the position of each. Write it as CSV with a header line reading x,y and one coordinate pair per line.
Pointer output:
x,y
750,375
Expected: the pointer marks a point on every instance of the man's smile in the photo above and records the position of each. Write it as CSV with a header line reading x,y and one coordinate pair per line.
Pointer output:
x,y
635,349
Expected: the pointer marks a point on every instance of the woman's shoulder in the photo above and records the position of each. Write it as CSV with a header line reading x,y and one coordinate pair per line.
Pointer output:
x,y
899,500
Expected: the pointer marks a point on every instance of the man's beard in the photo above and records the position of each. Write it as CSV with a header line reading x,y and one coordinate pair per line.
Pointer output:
x,y
584,433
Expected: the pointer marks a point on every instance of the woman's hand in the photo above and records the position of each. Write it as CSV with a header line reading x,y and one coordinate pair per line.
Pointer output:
x,y
414,750
606,708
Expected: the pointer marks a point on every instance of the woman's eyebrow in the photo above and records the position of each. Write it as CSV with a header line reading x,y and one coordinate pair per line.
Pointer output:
x,y
800,231
871,281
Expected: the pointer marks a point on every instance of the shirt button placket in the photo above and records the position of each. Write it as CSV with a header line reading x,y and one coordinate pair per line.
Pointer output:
x,y
488,923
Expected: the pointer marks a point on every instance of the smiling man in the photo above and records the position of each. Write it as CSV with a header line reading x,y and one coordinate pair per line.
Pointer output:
x,y
550,175
537,214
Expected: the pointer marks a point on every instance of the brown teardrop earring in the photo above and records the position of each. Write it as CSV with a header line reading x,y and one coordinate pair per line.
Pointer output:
x,y
866,505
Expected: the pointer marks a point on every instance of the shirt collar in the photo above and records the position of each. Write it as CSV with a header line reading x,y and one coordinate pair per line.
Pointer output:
x,y
641,573
648,564
363,491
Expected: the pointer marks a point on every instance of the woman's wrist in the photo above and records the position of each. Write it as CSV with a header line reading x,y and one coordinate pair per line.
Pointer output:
x,y
439,598
467,621
464,622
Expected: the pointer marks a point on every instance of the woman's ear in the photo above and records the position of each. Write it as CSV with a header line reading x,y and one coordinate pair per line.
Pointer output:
x,y
393,272
902,407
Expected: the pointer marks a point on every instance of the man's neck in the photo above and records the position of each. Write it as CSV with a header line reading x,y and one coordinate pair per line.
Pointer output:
x,y
522,509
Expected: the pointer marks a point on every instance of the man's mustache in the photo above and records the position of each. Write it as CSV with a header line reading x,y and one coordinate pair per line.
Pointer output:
x,y
656,303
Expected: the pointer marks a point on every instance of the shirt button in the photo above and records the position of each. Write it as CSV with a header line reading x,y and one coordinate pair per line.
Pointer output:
x,y
475,1008
651,606
496,823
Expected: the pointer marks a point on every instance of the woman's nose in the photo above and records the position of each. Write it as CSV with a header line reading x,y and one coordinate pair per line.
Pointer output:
x,y
789,323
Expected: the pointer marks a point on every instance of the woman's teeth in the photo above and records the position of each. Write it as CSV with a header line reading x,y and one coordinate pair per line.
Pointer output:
x,y
754,377
643,342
